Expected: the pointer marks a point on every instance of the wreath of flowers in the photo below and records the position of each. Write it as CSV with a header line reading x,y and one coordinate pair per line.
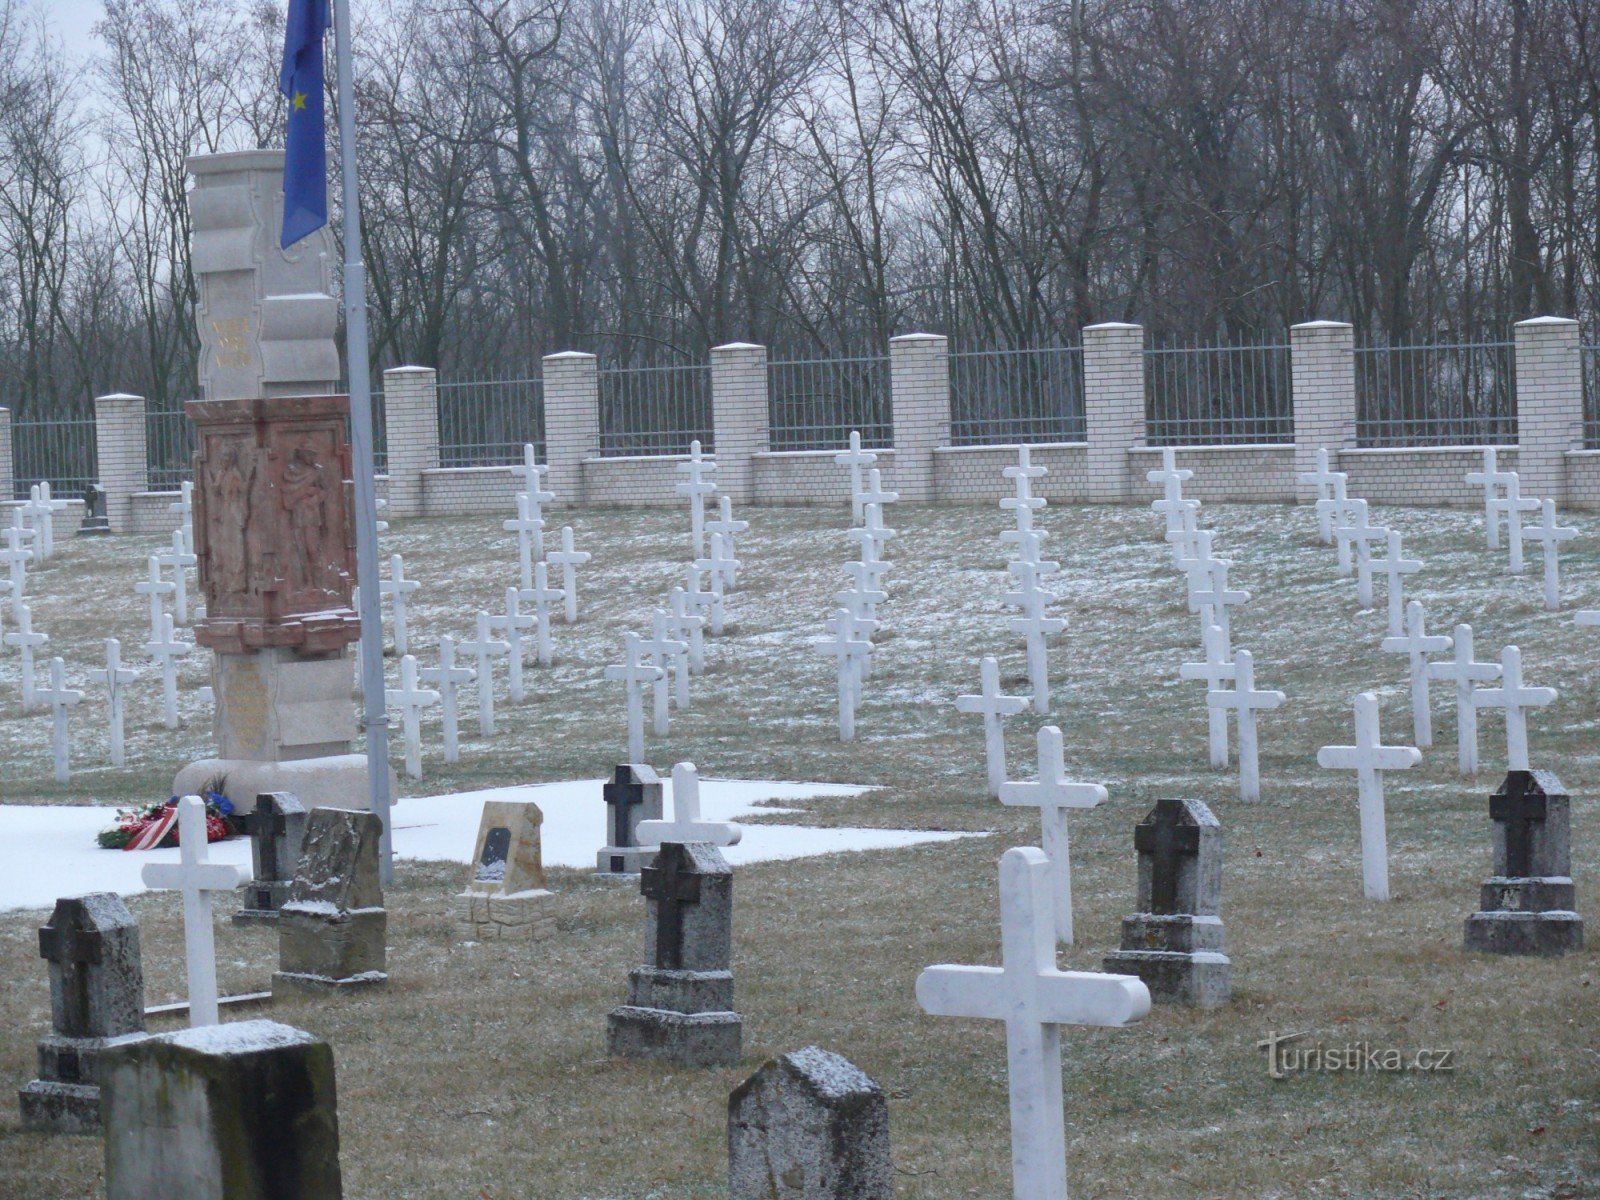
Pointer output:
x,y
131,822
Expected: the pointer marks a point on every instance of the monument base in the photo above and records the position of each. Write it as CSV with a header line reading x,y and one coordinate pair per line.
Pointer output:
x,y
333,781
286,985
520,917
1201,979
50,1107
1540,934
622,862
707,1039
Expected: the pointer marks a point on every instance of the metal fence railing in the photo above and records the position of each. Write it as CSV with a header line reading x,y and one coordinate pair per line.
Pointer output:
x,y
1591,397
655,410
1218,395
814,404
169,446
1461,394
1006,396
486,423
60,451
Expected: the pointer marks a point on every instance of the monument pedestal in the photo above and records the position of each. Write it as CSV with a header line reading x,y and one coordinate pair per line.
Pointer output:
x,y
685,1017
1179,958
66,1096
337,781
1528,905
518,917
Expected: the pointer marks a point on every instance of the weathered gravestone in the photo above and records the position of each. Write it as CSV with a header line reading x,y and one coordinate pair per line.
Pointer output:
x,y
96,1002
244,1111
277,828
632,795
332,928
1527,905
505,898
680,1007
1174,941
809,1126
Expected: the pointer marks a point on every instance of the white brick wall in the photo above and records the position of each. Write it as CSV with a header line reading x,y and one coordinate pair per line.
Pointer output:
x,y
1433,475
739,415
1549,403
411,420
7,479
646,479
972,474
919,369
1583,479
571,421
1113,397
1323,354
792,477
119,438
1262,474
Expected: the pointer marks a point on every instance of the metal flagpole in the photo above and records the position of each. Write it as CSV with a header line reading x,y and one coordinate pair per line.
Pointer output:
x,y
355,329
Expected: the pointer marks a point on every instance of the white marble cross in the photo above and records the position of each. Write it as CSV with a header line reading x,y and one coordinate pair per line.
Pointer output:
x,y
1034,998
1350,525
1030,549
1194,563
725,528
686,824
27,641
184,508
1492,479
855,458
569,560
115,677
1023,504
411,700
155,587
1464,672
448,679
196,877
530,538
847,648
863,605
724,567
1245,700
871,535
513,623
1514,504
1169,476
178,560
1369,759
1328,511
1395,568
1216,671
707,603
697,487
854,626
1418,645
37,516
60,698
1214,598
1183,529
672,656
16,557
1053,794
634,672
867,577
1550,536
166,649
1516,698
688,627
995,707
1358,533
532,474
875,492
1324,481
49,506
485,648
1034,628
543,596
398,589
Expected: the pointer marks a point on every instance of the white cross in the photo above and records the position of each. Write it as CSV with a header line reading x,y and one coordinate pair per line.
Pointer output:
x,y
871,535
846,648
448,679
1030,548
1349,519
1213,600
726,528
1516,699
1324,481
854,626
543,596
26,641
995,708
532,473
1369,758
513,622
166,649
1170,477
60,698
155,587
485,648
1034,998
687,627
867,577
398,589
1245,701
49,507
530,537
1550,536
196,877
697,487
670,655
1183,527
1464,672
633,673
722,564
1216,670
875,493
1395,568
115,677
16,556
1492,479
1034,629
184,507
1193,559
1360,534
36,515
1023,503
411,700
379,507
1053,794
1514,504
569,560
1328,510
863,605
178,560
1028,596
855,458
1418,645
686,825
709,603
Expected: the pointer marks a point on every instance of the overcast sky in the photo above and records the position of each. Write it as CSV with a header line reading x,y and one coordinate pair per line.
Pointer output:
x,y
71,20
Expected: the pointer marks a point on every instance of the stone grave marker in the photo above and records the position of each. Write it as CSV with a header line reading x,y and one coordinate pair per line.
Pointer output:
x,y
166,650
1492,479
505,898
632,795
1417,645
397,588
687,627
1246,701
995,708
696,486
1549,535
1329,512
448,679
27,641
1527,905
634,673
1464,672
1516,699
726,528
708,603
847,649
513,623
1323,480
1216,671
856,459
115,677
529,529
61,700
333,926
543,597
686,825
485,648
1395,569
1369,758
276,827
569,560
411,699
1513,504
183,509
178,560
154,587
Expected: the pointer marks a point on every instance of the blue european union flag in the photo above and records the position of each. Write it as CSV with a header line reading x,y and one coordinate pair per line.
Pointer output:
x,y
305,163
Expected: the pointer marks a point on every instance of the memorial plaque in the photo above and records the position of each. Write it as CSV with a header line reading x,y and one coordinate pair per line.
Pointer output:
x,y
496,849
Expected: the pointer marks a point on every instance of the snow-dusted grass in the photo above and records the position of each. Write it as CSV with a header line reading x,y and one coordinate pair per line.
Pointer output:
x,y
481,1071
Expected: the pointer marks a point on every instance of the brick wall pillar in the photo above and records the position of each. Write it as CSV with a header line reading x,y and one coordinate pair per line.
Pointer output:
x,y
119,439
739,415
1114,405
919,372
7,475
1549,403
571,421
1323,356
411,424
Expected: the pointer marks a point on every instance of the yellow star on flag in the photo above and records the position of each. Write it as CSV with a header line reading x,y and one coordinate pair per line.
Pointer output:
x,y
298,101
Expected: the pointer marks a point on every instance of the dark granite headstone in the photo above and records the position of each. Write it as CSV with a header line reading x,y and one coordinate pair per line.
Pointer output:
x,y
632,795
95,522
277,829
1527,906
1174,942
332,928
96,1001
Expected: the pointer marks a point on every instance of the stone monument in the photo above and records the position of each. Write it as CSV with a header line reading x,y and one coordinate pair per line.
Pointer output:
x,y
277,828
680,1007
1174,942
332,928
505,898
1527,904
96,1002
244,1111
632,795
809,1126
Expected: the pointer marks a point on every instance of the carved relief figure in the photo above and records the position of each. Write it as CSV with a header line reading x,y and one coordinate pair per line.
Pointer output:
x,y
305,497
229,512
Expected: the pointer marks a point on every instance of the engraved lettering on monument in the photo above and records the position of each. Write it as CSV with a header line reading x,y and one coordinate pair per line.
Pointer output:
x,y
496,850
